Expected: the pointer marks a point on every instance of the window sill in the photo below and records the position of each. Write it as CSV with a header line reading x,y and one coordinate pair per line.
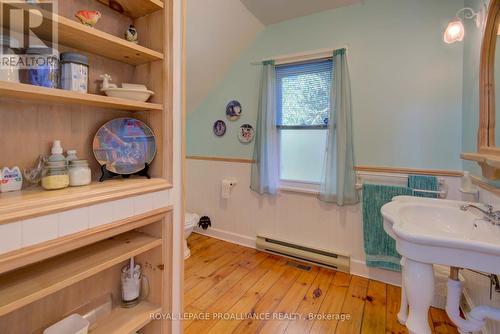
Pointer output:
x,y
299,187
299,190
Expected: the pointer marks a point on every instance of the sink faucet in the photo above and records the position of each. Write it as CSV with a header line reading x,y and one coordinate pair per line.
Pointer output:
x,y
490,214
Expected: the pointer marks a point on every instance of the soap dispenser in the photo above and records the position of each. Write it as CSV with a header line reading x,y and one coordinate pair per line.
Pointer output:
x,y
467,188
57,152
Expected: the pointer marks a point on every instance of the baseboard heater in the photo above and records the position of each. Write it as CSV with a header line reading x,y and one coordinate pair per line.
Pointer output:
x,y
303,253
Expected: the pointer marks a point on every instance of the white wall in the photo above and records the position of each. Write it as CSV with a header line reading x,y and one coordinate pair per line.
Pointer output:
x,y
296,217
216,33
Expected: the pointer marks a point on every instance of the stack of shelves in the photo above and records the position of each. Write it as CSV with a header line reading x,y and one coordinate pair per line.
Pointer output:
x,y
48,281
81,37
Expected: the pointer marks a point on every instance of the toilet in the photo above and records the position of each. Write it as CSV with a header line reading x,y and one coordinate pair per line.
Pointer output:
x,y
190,221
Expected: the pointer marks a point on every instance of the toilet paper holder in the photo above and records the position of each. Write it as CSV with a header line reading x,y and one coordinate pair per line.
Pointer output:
x,y
230,181
226,185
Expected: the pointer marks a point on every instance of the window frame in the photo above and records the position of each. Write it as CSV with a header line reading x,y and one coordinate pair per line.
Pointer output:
x,y
290,185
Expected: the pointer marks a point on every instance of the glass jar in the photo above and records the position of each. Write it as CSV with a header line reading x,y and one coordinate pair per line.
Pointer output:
x,y
79,173
55,175
44,69
74,72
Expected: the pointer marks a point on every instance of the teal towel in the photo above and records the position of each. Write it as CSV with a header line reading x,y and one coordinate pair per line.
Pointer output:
x,y
423,182
380,248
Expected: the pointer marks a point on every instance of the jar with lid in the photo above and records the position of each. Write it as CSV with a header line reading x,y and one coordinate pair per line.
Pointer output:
x,y
10,70
71,155
79,173
55,175
74,72
43,67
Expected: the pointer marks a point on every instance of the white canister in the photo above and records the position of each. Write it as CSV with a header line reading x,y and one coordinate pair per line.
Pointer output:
x,y
79,173
74,324
74,72
10,179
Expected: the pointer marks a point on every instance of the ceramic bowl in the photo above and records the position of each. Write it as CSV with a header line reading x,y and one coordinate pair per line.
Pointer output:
x,y
129,94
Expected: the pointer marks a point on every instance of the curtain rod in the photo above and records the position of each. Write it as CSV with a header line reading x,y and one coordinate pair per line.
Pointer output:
x,y
301,55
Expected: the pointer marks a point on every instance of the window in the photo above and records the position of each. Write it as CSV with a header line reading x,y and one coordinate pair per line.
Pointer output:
x,y
303,104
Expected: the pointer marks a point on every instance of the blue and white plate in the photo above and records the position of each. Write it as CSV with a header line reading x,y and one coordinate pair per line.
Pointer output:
x,y
219,128
233,110
124,145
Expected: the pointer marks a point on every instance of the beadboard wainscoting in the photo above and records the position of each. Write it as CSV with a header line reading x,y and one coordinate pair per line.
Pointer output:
x,y
30,232
476,286
292,216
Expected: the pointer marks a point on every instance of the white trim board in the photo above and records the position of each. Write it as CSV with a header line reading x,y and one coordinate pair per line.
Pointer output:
x,y
234,238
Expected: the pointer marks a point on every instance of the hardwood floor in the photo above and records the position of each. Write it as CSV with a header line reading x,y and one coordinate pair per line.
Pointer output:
x,y
234,289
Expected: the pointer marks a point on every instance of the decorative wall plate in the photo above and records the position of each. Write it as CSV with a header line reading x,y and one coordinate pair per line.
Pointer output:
x,y
219,128
233,110
246,133
124,145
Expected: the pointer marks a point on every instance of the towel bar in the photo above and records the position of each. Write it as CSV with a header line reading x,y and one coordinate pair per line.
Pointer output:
x,y
439,193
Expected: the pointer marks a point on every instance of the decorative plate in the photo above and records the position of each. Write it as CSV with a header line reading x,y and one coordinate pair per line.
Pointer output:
x,y
219,128
246,133
124,145
233,110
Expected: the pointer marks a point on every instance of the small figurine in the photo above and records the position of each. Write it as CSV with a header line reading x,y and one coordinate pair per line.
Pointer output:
x,y
88,17
106,78
131,34
205,222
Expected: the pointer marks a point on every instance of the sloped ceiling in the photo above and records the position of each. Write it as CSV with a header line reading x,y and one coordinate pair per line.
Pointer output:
x,y
217,31
273,11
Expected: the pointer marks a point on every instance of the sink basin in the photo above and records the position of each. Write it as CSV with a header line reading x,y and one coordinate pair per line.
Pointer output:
x,y
434,231
437,231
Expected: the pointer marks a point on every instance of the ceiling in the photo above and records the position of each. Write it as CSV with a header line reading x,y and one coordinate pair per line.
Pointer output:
x,y
273,11
211,47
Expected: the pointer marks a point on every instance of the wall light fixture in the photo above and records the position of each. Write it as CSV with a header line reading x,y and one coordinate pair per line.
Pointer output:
x,y
455,30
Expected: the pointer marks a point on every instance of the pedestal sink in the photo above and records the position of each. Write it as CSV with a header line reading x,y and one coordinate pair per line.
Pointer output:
x,y
430,231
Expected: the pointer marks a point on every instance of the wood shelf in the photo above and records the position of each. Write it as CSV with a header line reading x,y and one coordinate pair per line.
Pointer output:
x,y
29,284
76,35
489,159
52,95
137,8
39,252
126,320
35,202
489,163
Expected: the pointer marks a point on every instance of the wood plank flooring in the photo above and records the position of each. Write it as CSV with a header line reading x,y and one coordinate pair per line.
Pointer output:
x,y
234,289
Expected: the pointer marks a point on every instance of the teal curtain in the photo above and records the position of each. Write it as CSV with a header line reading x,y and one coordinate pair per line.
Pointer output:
x,y
339,178
265,173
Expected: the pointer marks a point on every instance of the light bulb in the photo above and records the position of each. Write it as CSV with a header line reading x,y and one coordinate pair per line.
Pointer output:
x,y
454,31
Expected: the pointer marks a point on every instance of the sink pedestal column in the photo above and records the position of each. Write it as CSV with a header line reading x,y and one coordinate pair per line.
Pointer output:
x,y
403,309
418,282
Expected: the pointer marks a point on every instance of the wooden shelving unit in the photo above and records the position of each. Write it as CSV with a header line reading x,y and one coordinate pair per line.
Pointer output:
x,y
36,253
138,8
36,201
72,271
79,36
29,284
126,320
60,96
